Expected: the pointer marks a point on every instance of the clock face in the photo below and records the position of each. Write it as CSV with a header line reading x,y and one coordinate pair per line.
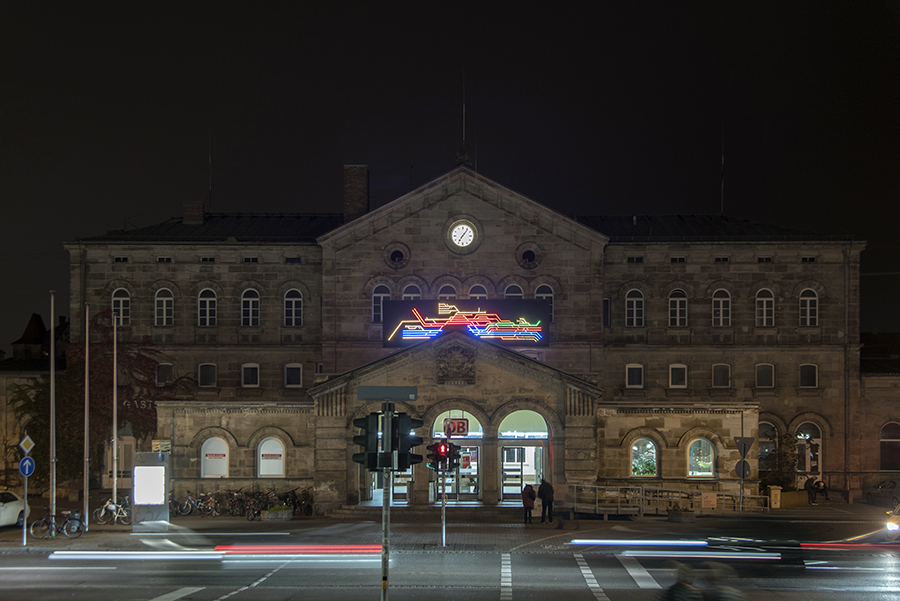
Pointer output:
x,y
462,235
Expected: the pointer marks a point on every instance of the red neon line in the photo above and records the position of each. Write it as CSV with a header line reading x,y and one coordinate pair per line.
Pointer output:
x,y
307,549
847,546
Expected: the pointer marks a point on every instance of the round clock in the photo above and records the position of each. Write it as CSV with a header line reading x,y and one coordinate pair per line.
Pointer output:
x,y
462,234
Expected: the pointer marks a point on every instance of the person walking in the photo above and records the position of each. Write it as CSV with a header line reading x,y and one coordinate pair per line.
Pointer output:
x,y
810,487
683,589
545,494
528,497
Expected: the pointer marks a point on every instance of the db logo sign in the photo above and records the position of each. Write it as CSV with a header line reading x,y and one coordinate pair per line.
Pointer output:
x,y
456,426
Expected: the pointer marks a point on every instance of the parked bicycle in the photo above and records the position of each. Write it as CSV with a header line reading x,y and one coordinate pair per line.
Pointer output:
x,y
206,504
68,523
113,512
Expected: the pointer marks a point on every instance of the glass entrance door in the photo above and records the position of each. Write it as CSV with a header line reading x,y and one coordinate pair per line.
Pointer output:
x,y
463,483
520,465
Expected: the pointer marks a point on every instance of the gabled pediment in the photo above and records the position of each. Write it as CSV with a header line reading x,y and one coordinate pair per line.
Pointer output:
x,y
462,181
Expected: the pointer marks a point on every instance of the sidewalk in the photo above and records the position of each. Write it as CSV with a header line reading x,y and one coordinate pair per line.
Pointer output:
x,y
207,532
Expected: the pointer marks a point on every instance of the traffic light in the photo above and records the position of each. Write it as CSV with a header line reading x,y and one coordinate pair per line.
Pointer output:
x,y
438,456
401,432
452,456
368,440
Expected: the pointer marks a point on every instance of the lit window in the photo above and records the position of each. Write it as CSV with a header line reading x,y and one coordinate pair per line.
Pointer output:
x,y
545,292
765,375
809,446
293,375
678,315
809,308
214,458
206,375
513,291
678,376
643,458
634,309
250,308
809,376
270,460
721,376
379,295
121,306
721,309
250,375
701,459
165,308
206,308
293,309
765,309
634,375
412,292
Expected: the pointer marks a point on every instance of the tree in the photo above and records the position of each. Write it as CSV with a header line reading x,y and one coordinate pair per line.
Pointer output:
x,y
779,468
137,393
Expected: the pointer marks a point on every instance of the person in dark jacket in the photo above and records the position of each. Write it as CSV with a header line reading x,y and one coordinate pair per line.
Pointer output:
x,y
545,494
528,497
810,487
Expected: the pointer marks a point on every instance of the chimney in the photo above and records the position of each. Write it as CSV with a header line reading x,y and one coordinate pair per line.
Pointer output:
x,y
192,213
356,191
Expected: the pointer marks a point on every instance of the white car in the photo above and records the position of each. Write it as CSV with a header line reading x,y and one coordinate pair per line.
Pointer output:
x,y
13,510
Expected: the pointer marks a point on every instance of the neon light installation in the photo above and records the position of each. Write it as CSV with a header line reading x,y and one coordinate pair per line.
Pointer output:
x,y
480,324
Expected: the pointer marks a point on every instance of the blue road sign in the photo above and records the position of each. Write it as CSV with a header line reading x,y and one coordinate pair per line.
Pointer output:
x,y
26,466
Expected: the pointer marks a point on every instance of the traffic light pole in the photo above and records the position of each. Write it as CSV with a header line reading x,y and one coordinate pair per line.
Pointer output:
x,y
443,509
387,484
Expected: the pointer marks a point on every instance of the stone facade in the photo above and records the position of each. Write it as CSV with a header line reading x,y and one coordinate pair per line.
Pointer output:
x,y
717,299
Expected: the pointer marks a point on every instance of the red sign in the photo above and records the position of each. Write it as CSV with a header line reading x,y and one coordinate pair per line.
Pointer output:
x,y
215,455
271,455
456,426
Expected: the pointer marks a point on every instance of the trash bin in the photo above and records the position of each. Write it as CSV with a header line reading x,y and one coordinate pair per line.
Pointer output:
x,y
774,497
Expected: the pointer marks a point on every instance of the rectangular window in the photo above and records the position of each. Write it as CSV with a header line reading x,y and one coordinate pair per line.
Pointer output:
x,y
677,259
120,259
607,312
809,376
206,375
207,259
250,375
765,375
293,375
163,259
251,259
807,259
164,374
635,259
763,259
634,376
292,260
678,376
720,260
721,376
320,368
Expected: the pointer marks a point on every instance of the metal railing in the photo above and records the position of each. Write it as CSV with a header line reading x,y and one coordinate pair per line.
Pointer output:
x,y
645,499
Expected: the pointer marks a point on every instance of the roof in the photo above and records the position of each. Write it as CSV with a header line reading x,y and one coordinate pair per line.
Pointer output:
x,y
695,228
231,227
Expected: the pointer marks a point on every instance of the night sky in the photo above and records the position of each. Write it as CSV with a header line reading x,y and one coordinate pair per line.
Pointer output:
x,y
108,117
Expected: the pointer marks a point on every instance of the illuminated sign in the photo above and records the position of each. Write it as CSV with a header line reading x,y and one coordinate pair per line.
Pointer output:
x,y
511,322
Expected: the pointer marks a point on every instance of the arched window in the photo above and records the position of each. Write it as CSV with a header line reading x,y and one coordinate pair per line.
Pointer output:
x,y
701,458
121,306
513,291
475,428
523,424
721,308
634,309
379,295
809,448
809,308
678,315
165,308
214,458
250,308
546,292
447,293
412,293
270,458
768,445
643,458
890,447
765,309
293,309
206,308
477,291
765,375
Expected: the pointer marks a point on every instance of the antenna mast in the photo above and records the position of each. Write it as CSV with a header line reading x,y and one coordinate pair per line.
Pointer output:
x,y
722,200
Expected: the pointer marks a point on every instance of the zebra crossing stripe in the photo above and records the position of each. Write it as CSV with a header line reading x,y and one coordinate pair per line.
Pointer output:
x,y
505,577
641,576
589,578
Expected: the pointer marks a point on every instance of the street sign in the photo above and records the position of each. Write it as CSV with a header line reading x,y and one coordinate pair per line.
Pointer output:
x,y
742,469
456,426
744,443
26,445
26,466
